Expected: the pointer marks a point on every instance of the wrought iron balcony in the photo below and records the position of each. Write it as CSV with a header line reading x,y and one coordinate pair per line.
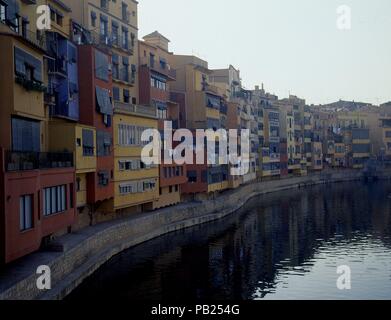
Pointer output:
x,y
162,68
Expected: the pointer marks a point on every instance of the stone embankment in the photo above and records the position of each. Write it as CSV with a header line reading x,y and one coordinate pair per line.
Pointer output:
x,y
85,251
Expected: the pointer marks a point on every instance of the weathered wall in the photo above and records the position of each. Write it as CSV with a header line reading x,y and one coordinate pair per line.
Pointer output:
x,y
85,251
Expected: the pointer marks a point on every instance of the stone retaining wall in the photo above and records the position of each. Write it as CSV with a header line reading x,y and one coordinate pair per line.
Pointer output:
x,y
85,251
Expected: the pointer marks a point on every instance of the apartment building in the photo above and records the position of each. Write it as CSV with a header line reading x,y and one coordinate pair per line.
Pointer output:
x,y
36,183
229,80
271,153
385,127
354,128
204,104
112,26
156,74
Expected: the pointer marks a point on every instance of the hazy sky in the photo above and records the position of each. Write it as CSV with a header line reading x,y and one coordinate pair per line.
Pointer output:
x,y
289,45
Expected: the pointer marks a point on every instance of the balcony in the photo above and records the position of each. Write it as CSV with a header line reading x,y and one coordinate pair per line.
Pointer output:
x,y
34,38
30,85
158,67
112,40
24,161
133,109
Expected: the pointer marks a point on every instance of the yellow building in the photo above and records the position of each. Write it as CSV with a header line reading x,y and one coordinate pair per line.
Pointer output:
x,y
136,185
204,103
317,156
385,125
113,26
81,141
354,127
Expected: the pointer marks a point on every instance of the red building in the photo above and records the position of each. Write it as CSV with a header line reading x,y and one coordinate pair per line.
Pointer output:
x,y
96,110
35,203
283,159
37,194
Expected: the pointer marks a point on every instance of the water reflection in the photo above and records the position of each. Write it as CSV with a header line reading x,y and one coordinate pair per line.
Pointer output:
x,y
280,246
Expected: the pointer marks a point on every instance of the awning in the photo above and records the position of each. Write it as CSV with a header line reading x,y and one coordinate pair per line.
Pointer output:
x,y
104,105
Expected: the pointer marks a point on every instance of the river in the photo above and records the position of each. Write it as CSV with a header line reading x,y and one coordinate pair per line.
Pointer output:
x,y
285,245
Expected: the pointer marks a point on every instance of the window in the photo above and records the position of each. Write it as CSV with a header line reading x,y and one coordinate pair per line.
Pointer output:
x,y
103,178
26,135
52,15
26,212
78,184
204,176
54,200
88,143
59,18
126,96
101,66
71,198
103,26
2,12
158,84
103,143
25,24
116,94
114,32
93,19
115,69
125,14
129,135
125,38
27,66
192,176
125,69
104,4
56,16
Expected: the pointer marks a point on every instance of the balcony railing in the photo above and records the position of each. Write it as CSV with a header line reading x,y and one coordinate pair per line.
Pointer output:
x,y
23,161
112,40
37,39
156,66
148,111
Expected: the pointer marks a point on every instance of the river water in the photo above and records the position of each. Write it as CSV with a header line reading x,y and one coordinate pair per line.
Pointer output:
x,y
286,245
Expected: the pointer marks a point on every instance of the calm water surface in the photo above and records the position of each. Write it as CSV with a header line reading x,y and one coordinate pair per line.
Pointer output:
x,y
279,246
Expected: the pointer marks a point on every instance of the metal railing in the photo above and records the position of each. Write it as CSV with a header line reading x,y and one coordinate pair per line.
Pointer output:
x,y
154,65
112,40
23,161
137,109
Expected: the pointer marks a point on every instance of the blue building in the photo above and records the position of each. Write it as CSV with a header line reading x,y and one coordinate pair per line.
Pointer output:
x,y
63,77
